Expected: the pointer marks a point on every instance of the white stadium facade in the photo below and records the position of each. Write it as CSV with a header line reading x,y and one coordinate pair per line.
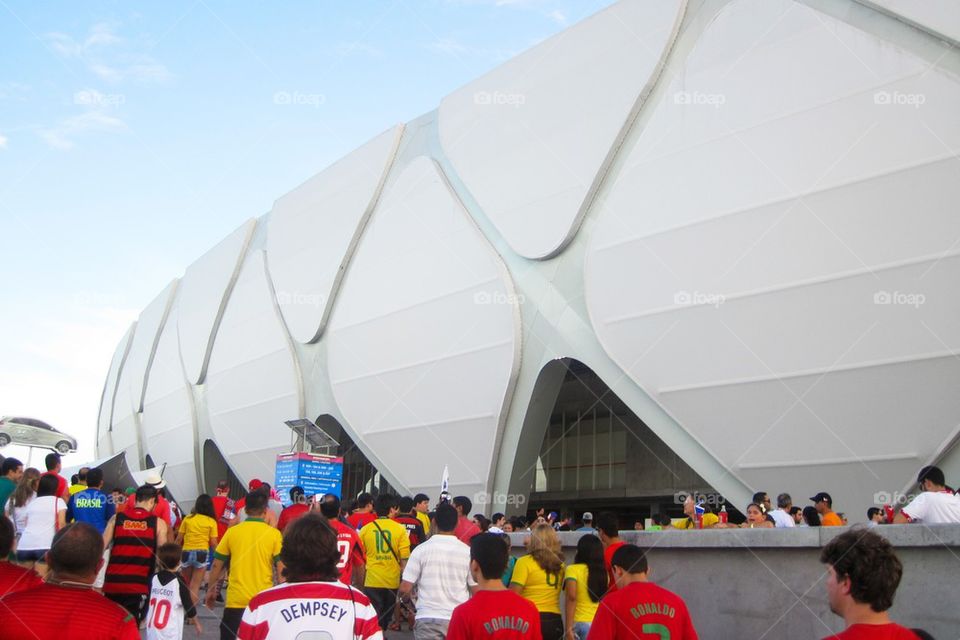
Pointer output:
x,y
709,245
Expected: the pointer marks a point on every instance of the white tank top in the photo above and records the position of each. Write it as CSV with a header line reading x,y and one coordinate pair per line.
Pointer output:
x,y
165,610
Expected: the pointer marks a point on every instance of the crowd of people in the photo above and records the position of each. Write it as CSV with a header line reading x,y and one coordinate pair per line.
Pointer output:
x,y
80,563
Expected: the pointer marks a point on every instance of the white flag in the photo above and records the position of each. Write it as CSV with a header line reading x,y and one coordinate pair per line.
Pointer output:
x,y
445,484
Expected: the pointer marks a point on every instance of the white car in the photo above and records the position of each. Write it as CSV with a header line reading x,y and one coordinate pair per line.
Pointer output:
x,y
34,433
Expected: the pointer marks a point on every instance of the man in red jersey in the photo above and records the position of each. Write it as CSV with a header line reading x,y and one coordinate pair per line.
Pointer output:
x,y
407,517
135,535
66,607
352,563
297,508
363,514
494,612
52,462
13,577
639,608
312,603
608,526
466,528
863,574
223,507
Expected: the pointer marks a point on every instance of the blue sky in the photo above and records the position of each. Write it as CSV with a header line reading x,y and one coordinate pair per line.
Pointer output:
x,y
134,136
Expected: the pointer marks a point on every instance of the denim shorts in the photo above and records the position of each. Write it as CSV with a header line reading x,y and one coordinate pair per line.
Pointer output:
x,y
196,559
581,629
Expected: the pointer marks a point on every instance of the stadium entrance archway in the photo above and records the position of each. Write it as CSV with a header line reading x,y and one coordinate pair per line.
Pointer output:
x,y
596,454
359,474
215,469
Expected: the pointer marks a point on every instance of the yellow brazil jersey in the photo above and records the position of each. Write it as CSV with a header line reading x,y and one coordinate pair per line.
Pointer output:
x,y
198,530
540,588
425,521
383,570
586,608
252,547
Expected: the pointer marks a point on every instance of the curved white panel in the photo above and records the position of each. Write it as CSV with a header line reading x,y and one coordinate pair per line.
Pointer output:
x,y
776,262
144,343
124,431
109,391
939,17
426,323
313,229
204,290
252,383
167,421
530,138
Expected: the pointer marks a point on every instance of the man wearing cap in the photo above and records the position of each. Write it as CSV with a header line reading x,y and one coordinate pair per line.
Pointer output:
x,y
935,505
823,503
587,522
162,507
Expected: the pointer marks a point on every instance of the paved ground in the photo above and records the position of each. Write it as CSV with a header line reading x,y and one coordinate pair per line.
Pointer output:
x,y
211,630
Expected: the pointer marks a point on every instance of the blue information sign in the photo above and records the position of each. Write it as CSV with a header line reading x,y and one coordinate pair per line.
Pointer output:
x,y
317,474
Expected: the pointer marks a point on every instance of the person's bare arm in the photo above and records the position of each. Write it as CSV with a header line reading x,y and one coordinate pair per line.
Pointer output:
x,y
61,519
516,588
108,532
901,519
212,579
162,532
570,605
405,588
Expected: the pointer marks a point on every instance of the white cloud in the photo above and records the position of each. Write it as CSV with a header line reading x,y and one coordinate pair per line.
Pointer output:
x,y
109,56
558,16
3,141
63,134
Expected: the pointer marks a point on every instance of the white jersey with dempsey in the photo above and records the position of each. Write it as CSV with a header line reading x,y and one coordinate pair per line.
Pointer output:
x,y
310,611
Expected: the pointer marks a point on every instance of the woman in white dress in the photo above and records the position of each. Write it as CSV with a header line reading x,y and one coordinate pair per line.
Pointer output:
x,y
46,515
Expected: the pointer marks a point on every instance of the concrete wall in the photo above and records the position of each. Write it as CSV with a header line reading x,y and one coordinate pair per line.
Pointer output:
x,y
770,583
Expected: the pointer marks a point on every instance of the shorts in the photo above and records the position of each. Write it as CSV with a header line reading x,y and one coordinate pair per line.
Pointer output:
x,y
31,555
196,559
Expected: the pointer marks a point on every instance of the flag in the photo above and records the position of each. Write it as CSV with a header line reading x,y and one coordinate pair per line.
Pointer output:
x,y
445,485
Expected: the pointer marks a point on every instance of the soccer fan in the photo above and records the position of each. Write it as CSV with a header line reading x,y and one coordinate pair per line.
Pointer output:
x,y
135,534
387,548
223,507
494,612
935,505
161,507
10,473
352,562
608,527
81,482
21,497
68,595
756,518
466,528
52,462
91,504
170,598
874,516
197,535
863,573
363,512
44,516
421,504
638,607
781,515
406,517
538,577
823,503
584,583
440,570
252,547
13,577
297,508
312,602
587,521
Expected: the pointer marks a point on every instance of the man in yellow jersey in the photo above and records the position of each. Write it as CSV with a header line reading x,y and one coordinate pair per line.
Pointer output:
x,y
252,547
421,509
387,548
